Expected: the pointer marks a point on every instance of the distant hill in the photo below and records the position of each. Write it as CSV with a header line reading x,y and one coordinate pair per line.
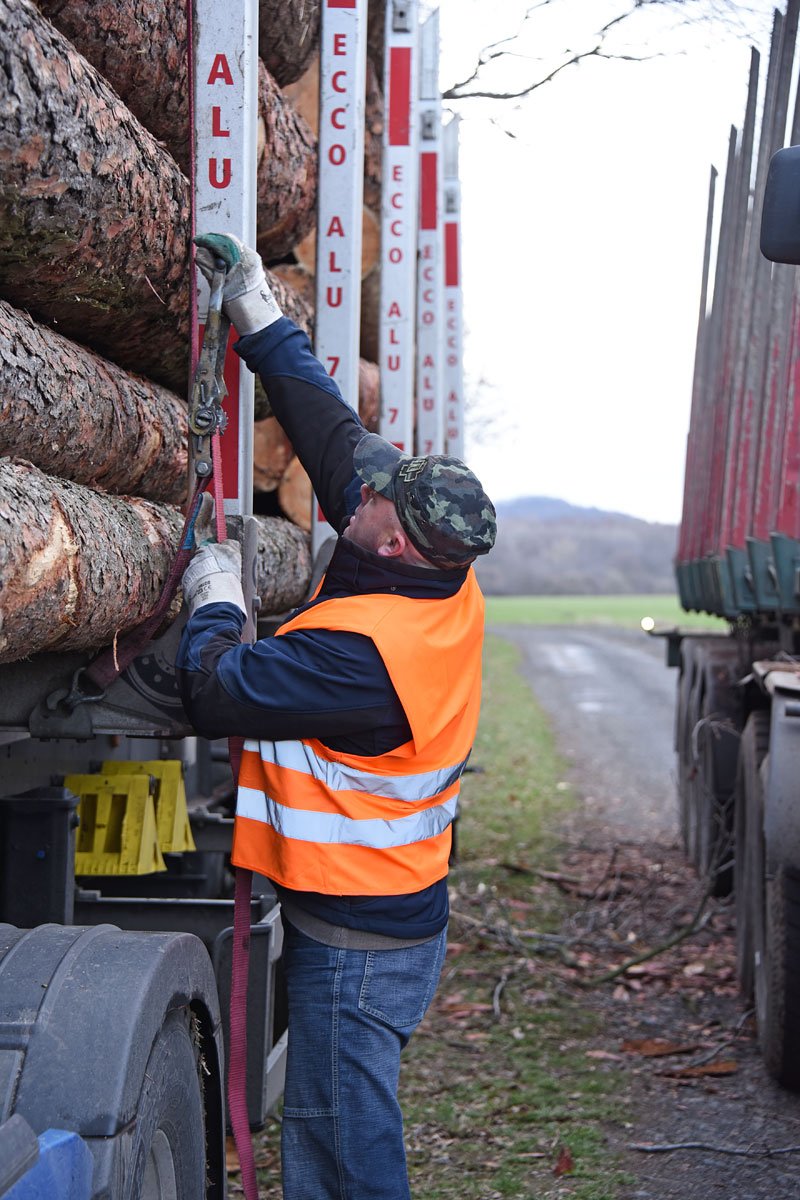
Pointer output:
x,y
549,547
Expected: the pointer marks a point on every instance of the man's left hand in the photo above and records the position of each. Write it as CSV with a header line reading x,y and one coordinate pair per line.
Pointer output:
x,y
246,298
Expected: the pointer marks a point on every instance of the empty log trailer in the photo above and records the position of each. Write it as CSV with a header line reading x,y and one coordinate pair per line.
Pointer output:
x,y
737,731
116,907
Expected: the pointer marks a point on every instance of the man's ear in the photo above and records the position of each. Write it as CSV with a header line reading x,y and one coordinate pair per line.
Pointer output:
x,y
394,543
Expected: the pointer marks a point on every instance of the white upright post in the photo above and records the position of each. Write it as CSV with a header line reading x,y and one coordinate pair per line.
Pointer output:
x,y
343,65
399,224
429,432
453,332
225,69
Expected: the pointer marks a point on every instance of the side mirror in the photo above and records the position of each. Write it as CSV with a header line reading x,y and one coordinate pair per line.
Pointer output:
x,y
780,215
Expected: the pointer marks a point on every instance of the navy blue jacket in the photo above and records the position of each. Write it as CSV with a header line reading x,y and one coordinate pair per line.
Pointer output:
x,y
319,683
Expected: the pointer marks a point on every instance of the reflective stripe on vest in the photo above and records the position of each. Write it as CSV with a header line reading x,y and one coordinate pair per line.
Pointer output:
x,y
335,828
339,777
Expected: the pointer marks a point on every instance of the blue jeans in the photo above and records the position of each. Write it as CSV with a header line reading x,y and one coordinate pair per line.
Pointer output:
x,y
351,1012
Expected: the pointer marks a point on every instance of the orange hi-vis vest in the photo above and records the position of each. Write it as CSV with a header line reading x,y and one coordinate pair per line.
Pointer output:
x,y
350,825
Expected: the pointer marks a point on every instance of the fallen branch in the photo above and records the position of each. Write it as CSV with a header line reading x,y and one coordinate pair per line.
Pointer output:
x,y
697,923
498,991
708,1057
668,1147
565,882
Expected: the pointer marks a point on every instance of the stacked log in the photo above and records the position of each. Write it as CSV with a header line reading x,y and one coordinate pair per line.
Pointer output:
x,y
288,35
77,568
79,417
283,564
94,214
286,189
373,140
156,88
94,307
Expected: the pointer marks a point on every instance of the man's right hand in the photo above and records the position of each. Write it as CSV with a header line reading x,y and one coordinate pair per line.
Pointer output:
x,y
214,576
246,298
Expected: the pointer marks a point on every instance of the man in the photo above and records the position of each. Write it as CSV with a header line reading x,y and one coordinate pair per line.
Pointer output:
x,y
358,716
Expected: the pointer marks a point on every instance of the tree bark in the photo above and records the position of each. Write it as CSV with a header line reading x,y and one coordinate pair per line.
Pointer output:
x,y
286,190
79,417
139,47
288,36
371,315
94,214
369,394
376,35
298,279
76,567
156,88
283,565
373,140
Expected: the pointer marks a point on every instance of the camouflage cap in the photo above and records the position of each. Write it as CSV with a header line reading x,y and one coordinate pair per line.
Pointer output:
x,y
441,505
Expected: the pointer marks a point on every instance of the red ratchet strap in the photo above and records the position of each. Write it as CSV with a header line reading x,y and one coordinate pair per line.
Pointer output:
x,y
240,960
117,658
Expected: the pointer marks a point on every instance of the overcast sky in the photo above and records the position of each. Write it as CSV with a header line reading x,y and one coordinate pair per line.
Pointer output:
x,y
582,247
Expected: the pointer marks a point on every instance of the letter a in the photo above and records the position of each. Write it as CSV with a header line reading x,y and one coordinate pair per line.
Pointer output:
x,y
220,70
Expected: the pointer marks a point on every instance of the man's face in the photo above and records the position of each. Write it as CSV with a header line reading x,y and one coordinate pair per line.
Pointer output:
x,y
374,522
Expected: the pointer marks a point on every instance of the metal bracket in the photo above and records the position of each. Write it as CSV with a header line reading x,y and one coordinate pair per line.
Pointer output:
x,y
64,713
206,415
429,125
401,17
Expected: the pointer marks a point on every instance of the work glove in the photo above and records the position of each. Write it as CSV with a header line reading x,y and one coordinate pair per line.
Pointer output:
x,y
246,300
214,576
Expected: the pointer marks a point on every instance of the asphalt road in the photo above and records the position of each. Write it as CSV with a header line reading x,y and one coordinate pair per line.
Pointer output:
x,y
611,700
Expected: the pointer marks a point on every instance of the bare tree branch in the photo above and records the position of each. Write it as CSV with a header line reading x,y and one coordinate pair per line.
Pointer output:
x,y
694,11
595,52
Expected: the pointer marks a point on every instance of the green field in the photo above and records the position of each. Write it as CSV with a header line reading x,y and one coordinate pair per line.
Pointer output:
x,y
594,610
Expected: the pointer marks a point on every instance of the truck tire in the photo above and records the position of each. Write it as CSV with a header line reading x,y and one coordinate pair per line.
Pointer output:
x,y
117,1038
683,745
167,1159
716,715
688,765
715,799
777,978
748,842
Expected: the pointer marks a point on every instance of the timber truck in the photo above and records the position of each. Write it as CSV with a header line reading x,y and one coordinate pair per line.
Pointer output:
x,y
116,916
737,729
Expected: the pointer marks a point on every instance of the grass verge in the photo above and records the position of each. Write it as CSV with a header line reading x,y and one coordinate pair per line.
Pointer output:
x,y
627,611
499,1095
